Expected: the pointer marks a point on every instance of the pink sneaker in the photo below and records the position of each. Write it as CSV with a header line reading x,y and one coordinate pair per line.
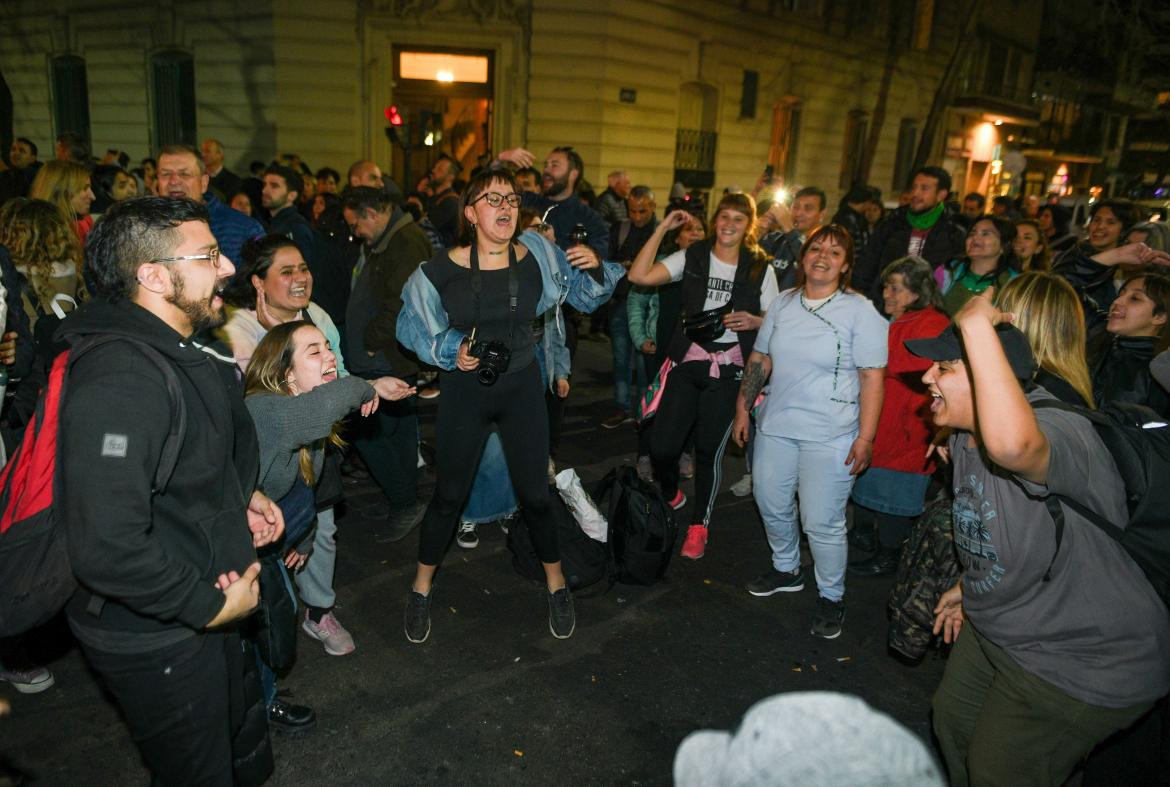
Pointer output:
x,y
330,633
678,501
696,542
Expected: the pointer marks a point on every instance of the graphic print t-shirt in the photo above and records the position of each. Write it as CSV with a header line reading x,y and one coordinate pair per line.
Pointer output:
x,y
1096,630
719,282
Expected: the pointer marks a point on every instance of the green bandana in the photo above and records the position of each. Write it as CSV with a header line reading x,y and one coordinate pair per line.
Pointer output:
x,y
924,221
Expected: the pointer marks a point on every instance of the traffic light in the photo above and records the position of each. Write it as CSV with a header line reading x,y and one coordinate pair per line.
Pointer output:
x,y
432,128
398,130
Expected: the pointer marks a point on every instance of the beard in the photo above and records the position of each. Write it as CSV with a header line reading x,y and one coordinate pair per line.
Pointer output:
x,y
200,313
553,185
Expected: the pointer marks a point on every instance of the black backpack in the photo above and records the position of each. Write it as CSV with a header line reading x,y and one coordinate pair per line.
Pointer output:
x,y
642,530
1138,439
583,560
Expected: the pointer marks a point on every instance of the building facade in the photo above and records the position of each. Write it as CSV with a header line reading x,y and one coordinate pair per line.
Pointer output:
x,y
826,92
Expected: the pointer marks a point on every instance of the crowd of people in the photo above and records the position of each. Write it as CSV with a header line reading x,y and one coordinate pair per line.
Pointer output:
x,y
866,361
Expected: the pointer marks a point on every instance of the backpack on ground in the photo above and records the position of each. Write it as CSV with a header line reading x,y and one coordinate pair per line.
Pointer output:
x,y
34,560
583,560
1138,439
642,529
929,567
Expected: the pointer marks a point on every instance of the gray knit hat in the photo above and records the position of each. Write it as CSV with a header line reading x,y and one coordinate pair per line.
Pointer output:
x,y
806,738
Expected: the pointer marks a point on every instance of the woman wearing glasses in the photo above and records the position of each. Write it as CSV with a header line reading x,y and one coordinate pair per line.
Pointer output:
x,y
469,311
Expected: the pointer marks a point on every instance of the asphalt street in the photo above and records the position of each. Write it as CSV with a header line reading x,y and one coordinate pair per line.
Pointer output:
x,y
492,698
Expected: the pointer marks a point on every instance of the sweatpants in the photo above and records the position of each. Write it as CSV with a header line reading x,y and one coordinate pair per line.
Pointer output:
x,y
467,411
692,398
997,723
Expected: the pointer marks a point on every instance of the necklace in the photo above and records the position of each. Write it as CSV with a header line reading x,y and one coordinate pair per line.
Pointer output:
x,y
495,253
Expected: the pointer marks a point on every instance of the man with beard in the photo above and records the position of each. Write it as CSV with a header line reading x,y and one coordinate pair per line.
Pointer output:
x,y
563,170
166,574
920,228
181,174
443,204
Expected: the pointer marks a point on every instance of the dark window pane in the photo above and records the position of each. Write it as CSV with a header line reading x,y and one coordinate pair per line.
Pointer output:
x,y
70,95
173,89
747,102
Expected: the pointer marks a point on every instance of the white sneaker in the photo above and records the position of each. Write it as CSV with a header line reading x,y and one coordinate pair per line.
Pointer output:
x,y
742,487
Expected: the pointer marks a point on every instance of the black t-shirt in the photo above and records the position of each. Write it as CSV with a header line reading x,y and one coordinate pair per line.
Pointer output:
x,y
453,283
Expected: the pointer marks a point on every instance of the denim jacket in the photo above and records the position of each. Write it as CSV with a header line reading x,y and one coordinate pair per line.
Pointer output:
x,y
424,328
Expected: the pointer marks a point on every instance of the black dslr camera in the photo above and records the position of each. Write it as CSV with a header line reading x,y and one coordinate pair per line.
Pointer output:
x,y
493,360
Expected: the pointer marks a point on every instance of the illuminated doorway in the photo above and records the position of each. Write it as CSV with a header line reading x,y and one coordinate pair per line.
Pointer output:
x,y
445,96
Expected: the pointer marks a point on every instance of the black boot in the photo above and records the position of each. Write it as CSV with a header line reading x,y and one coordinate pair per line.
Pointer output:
x,y
883,563
862,538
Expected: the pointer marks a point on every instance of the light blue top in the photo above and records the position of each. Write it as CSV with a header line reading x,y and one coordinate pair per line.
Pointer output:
x,y
423,325
816,352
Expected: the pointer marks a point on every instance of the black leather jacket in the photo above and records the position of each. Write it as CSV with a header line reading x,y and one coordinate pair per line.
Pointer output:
x,y
1121,373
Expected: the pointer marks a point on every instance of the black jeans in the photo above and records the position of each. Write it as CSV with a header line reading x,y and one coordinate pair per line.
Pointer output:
x,y
388,444
693,398
182,703
467,410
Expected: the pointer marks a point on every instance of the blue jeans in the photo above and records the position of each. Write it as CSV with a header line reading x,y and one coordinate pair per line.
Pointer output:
x,y
781,468
623,346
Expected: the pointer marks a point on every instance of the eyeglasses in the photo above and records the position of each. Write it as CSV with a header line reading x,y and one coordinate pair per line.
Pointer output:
x,y
496,200
211,256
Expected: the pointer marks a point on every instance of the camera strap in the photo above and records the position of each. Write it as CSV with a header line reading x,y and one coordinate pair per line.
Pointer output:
x,y
513,287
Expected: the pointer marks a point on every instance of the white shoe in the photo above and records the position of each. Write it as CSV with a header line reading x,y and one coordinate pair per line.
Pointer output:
x,y
742,487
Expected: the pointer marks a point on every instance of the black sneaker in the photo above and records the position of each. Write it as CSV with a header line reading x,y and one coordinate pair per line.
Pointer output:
x,y
830,614
403,520
289,719
561,617
862,538
882,564
773,581
468,536
417,620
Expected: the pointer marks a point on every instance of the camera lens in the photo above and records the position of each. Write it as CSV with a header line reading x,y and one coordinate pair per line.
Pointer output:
x,y
487,375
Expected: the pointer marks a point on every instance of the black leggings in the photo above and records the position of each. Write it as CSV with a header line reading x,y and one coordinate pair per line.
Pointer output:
x,y
467,410
693,398
892,529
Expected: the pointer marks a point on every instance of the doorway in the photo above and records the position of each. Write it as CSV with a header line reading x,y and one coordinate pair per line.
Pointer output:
x,y
445,98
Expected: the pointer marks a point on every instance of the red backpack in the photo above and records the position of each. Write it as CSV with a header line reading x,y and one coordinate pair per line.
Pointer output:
x,y
34,560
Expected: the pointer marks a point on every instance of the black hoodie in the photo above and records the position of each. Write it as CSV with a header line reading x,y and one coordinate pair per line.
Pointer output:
x,y
153,557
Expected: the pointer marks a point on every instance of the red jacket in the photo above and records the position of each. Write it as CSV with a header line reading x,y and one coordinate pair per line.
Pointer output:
x,y
905,428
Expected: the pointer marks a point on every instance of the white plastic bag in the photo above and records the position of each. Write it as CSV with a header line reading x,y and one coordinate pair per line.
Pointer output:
x,y
582,507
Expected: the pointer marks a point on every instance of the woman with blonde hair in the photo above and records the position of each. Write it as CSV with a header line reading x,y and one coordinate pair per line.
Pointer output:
x,y
1047,309
727,287
46,250
66,184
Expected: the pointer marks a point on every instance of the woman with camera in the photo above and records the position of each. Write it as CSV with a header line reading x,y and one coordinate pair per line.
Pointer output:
x,y
469,311
727,285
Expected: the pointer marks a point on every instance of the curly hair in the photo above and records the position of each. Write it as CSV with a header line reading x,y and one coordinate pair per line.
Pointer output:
x,y
37,235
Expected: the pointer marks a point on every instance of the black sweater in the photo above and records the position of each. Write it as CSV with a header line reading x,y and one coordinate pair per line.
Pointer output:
x,y
153,557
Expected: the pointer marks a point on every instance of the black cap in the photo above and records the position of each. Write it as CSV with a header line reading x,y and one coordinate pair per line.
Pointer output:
x,y
948,346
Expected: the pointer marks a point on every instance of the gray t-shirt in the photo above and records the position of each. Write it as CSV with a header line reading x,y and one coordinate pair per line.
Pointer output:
x,y
1097,630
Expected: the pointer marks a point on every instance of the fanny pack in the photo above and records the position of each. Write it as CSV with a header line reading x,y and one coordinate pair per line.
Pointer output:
x,y
706,326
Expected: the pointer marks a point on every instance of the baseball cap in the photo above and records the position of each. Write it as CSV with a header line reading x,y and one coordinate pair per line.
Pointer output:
x,y
948,346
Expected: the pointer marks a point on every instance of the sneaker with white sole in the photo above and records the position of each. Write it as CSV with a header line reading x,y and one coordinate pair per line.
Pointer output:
x,y
562,618
827,622
417,617
742,487
468,536
330,633
773,581
28,681
678,501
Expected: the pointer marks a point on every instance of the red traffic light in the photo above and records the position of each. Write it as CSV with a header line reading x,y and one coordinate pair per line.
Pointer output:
x,y
392,116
